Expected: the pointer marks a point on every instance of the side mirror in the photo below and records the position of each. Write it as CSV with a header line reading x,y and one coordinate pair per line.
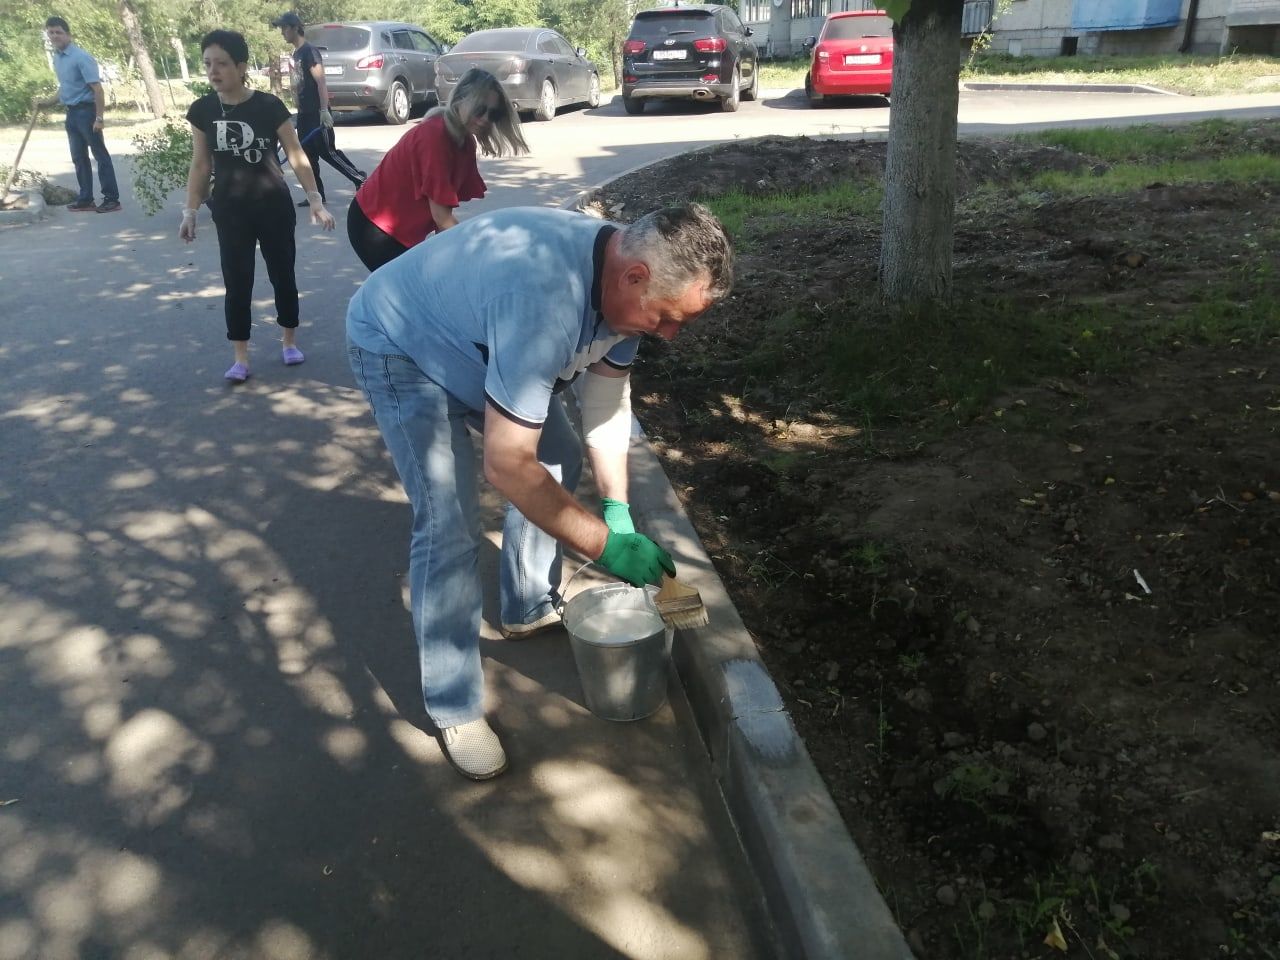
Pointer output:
x,y
810,43
581,51
445,48
748,31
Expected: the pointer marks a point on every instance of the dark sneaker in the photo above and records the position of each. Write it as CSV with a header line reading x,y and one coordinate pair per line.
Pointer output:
x,y
109,206
82,206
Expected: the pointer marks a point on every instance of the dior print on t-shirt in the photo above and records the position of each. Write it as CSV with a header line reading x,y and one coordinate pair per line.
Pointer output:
x,y
237,138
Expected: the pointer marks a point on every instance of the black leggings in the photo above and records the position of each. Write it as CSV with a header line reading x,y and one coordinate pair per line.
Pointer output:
x,y
372,244
244,225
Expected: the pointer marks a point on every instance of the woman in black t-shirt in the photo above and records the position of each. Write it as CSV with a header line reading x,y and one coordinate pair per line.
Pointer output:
x,y
234,132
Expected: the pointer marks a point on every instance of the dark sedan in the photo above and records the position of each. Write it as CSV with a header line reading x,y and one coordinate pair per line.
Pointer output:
x,y
537,68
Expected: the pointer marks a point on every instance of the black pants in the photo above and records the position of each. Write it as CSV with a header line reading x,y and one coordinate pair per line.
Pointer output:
x,y
372,244
243,226
319,144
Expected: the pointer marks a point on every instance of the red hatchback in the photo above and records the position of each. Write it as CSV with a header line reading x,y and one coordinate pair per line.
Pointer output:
x,y
853,55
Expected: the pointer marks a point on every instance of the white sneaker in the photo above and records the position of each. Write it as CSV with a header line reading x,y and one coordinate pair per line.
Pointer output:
x,y
474,750
519,631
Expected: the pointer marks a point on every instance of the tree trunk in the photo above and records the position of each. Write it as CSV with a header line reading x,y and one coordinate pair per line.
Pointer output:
x,y
132,30
920,169
181,51
779,43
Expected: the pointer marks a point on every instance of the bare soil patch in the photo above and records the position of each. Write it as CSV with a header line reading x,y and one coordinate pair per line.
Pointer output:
x,y
1034,655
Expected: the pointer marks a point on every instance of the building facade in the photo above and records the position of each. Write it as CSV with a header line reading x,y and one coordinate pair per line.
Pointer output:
x,y
1049,28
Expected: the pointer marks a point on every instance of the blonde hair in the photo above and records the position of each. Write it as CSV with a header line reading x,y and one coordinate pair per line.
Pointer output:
x,y
469,97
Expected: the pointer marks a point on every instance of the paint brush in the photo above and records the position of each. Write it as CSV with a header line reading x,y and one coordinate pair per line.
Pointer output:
x,y
680,605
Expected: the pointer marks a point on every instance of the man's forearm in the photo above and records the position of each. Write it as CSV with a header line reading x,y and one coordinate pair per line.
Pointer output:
x,y
549,507
609,468
99,102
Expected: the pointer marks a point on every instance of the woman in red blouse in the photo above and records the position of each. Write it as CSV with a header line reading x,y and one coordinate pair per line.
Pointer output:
x,y
432,169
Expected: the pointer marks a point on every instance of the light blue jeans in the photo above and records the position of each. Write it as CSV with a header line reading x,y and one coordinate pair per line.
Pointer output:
x,y
425,430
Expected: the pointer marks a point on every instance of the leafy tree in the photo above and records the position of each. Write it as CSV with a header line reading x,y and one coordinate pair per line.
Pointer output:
x,y
920,171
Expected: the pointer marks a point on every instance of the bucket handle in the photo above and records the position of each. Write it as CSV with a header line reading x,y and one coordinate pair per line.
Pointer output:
x,y
564,591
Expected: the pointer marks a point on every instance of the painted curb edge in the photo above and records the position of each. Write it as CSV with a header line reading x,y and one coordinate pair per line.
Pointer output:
x,y
821,897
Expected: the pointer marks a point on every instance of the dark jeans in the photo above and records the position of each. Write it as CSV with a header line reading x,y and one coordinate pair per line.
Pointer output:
x,y
244,225
319,144
83,138
372,244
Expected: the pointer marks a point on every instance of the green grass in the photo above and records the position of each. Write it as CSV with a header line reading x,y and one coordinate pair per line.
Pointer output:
x,y
841,201
1146,142
1123,178
1193,75
1178,73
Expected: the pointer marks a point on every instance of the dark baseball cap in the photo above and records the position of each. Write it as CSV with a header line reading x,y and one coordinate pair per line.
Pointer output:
x,y
289,19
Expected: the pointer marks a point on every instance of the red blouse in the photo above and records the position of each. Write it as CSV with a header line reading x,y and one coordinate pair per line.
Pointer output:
x,y
425,164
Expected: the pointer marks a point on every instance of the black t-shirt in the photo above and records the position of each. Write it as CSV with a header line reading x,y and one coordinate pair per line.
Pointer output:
x,y
305,88
243,140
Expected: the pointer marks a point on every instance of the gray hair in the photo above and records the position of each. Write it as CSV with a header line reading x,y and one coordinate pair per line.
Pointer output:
x,y
681,245
469,97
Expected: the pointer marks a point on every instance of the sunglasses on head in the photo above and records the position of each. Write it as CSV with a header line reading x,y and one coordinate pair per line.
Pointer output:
x,y
494,113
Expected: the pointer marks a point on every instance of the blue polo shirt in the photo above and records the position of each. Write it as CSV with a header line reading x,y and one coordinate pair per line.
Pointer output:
x,y
503,308
75,70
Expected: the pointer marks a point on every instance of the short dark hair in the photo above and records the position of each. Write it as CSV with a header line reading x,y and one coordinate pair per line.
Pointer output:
x,y
57,22
230,41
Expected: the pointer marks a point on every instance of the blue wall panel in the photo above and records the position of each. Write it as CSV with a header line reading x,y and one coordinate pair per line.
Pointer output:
x,y
1125,14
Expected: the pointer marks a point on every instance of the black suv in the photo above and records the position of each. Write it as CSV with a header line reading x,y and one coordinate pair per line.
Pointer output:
x,y
691,52
387,65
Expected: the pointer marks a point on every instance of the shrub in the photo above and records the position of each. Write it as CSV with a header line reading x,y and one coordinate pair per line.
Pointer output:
x,y
161,164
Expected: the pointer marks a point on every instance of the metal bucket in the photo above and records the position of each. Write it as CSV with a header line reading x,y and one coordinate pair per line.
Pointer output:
x,y
621,646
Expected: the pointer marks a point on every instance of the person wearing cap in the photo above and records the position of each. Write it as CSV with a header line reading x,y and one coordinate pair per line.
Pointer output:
x,y
315,122
485,325
80,91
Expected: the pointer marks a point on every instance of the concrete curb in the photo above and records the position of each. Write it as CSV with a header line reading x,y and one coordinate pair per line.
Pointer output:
x,y
35,210
820,896
1069,87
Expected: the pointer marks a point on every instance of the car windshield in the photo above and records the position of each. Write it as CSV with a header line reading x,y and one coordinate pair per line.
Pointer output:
x,y
660,24
852,28
493,40
340,39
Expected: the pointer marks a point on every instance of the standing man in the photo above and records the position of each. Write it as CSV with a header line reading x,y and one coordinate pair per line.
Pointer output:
x,y
80,91
315,122
483,325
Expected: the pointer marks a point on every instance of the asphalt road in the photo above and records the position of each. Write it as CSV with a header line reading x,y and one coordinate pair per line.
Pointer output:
x,y
212,745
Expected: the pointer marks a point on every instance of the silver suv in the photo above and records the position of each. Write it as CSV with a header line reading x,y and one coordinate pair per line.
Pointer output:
x,y
386,65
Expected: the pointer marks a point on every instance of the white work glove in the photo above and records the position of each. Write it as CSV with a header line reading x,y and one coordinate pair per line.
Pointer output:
x,y
320,216
326,118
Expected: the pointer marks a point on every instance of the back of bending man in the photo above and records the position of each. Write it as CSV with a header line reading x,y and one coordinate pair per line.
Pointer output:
x,y
315,121
483,325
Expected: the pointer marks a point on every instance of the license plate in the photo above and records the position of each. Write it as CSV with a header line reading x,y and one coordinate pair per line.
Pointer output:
x,y
333,71
670,54
861,59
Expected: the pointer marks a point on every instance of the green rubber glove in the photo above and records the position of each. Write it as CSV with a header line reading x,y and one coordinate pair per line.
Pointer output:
x,y
635,558
618,516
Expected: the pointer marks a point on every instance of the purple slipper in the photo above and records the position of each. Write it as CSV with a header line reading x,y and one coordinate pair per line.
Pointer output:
x,y
236,373
292,356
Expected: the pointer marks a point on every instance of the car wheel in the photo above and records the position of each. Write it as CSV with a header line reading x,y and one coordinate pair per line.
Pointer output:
x,y
397,109
753,92
546,102
632,105
730,103
593,91
813,96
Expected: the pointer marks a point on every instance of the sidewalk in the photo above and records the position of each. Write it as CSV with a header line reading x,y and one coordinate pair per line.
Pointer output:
x,y
214,740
